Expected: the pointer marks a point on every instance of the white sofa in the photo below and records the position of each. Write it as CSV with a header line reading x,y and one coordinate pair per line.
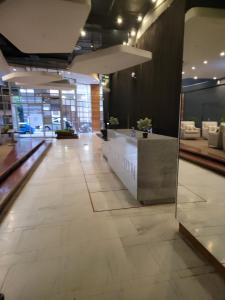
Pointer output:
x,y
209,127
189,131
217,139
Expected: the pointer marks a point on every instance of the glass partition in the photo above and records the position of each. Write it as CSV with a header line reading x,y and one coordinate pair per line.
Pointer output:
x,y
39,113
201,190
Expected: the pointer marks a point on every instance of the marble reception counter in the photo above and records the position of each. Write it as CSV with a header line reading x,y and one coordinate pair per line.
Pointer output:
x,y
147,167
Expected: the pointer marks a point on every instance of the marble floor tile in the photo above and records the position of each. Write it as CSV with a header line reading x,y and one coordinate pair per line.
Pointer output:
x,y
113,200
54,246
206,286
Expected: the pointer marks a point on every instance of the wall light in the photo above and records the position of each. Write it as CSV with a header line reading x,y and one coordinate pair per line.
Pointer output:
x,y
214,78
133,32
139,18
83,33
133,75
183,73
119,20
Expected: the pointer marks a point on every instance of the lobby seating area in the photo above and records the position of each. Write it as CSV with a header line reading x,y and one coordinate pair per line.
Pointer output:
x,y
189,131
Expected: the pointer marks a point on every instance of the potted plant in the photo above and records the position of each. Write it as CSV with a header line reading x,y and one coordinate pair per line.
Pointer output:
x,y
66,134
113,122
144,125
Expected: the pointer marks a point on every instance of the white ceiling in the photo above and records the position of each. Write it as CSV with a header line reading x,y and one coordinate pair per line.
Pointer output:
x,y
204,39
49,85
30,77
110,60
43,26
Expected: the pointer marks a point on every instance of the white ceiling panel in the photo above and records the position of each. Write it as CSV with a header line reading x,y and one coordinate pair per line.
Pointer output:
x,y
110,60
204,40
32,77
43,26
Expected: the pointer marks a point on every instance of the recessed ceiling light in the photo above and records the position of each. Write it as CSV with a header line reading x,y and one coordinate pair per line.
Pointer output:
x,y
83,33
205,62
222,53
133,32
119,20
14,69
139,18
196,77
193,68
214,78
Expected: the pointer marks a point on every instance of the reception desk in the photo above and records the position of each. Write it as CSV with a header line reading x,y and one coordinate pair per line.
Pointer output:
x,y
147,167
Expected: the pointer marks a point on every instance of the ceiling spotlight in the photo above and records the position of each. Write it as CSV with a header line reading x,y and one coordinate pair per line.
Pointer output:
x,y
133,75
133,32
14,69
205,62
196,77
222,53
119,20
83,33
193,68
139,18
214,78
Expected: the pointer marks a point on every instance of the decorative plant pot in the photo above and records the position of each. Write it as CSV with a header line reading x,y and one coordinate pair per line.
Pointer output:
x,y
145,135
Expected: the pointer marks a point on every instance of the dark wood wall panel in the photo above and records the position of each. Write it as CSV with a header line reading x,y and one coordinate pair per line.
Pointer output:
x,y
155,92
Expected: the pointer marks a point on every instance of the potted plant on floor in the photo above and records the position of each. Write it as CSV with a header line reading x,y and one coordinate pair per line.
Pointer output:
x,y
113,122
66,134
144,125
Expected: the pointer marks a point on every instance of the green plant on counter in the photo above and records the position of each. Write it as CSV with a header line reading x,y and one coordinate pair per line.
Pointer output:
x,y
113,121
144,124
5,129
222,119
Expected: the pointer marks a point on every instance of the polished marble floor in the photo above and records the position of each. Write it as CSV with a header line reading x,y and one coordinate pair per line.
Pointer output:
x,y
54,246
201,206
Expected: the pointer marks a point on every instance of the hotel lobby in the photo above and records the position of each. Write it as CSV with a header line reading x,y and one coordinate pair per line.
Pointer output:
x,y
112,150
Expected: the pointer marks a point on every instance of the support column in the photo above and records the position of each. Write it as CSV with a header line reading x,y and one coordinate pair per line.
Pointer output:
x,y
95,106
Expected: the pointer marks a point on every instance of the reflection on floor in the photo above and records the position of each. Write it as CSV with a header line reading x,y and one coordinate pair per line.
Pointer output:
x,y
53,246
202,146
201,207
198,152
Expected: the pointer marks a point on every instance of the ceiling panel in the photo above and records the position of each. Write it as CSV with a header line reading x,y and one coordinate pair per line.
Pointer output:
x,y
110,60
204,40
43,26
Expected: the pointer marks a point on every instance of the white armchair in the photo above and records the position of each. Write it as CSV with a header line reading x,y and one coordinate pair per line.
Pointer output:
x,y
209,127
217,139
189,131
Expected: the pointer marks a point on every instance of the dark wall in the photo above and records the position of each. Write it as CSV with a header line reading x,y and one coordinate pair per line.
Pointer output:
x,y
206,104
155,92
